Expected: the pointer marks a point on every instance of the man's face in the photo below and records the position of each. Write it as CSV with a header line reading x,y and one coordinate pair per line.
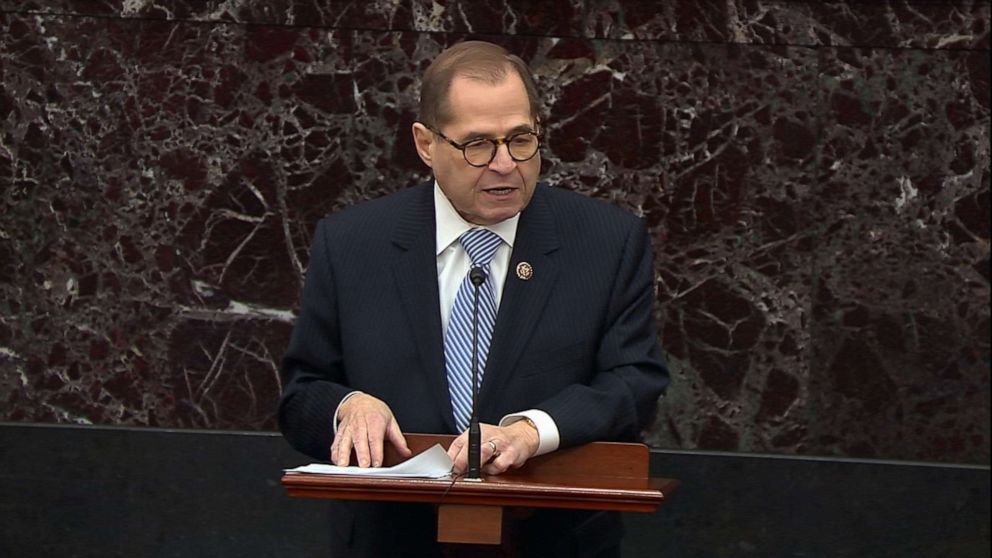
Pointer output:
x,y
494,193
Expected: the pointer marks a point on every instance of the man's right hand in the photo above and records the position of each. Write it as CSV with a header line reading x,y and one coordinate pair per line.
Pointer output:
x,y
364,422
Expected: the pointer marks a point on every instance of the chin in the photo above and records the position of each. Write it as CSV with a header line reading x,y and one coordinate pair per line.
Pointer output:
x,y
502,214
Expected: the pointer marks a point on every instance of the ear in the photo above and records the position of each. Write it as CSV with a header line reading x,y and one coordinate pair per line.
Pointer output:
x,y
423,139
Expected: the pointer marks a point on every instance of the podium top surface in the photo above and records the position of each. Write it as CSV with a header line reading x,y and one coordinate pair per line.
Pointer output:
x,y
600,476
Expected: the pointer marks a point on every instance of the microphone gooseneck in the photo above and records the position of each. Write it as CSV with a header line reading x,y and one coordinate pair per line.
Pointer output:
x,y
477,276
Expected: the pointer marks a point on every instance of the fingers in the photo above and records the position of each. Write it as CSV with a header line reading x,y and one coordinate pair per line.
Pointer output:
x,y
509,447
362,442
499,456
341,448
458,453
503,458
352,436
492,449
395,436
365,422
502,449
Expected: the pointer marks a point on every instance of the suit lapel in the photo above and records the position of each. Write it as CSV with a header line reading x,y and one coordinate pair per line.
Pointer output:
x,y
523,301
415,274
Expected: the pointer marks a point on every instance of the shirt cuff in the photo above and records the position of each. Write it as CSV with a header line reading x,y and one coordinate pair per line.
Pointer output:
x,y
547,430
336,410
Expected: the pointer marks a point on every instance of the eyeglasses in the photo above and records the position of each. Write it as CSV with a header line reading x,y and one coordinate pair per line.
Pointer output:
x,y
521,146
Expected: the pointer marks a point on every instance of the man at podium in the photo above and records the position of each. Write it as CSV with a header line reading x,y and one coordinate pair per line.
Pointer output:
x,y
549,292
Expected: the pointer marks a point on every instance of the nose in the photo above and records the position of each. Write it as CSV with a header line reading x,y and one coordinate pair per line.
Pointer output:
x,y
502,162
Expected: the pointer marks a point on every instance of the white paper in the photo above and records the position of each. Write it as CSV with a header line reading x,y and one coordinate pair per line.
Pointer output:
x,y
433,463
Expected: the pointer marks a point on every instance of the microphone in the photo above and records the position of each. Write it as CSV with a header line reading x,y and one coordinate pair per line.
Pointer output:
x,y
477,276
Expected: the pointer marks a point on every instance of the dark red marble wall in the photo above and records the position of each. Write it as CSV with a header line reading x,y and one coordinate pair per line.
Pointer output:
x,y
815,176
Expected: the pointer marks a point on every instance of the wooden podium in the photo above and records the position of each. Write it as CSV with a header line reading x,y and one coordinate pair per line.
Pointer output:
x,y
597,476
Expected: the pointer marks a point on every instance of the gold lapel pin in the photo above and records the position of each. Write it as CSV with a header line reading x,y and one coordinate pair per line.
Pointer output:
x,y
524,271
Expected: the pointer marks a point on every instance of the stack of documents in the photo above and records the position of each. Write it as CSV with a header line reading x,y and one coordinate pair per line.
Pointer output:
x,y
433,463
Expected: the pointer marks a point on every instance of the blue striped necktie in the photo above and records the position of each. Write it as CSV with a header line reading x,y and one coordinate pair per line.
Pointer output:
x,y
481,245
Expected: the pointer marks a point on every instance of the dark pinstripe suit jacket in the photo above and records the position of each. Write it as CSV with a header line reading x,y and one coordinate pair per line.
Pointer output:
x,y
576,340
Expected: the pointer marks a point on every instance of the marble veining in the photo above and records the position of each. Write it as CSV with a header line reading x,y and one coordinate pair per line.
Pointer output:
x,y
815,177
931,24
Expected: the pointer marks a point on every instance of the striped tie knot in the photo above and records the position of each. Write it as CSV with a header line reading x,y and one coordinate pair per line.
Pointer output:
x,y
480,245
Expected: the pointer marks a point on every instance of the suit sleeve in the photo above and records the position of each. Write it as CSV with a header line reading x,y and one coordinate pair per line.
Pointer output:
x,y
620,400
312,371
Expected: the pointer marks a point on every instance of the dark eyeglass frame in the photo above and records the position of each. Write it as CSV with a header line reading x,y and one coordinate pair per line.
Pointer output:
x,y
496,142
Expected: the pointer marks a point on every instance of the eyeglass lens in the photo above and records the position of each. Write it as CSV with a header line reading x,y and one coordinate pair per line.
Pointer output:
x,y
522,147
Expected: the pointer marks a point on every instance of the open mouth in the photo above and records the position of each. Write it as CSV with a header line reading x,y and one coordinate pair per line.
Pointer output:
x,y
499,191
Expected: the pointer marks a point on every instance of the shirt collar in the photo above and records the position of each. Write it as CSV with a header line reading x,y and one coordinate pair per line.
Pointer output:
x,y
450,224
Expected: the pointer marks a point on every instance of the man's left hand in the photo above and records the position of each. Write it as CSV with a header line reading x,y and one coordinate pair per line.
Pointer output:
x,y
503,447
